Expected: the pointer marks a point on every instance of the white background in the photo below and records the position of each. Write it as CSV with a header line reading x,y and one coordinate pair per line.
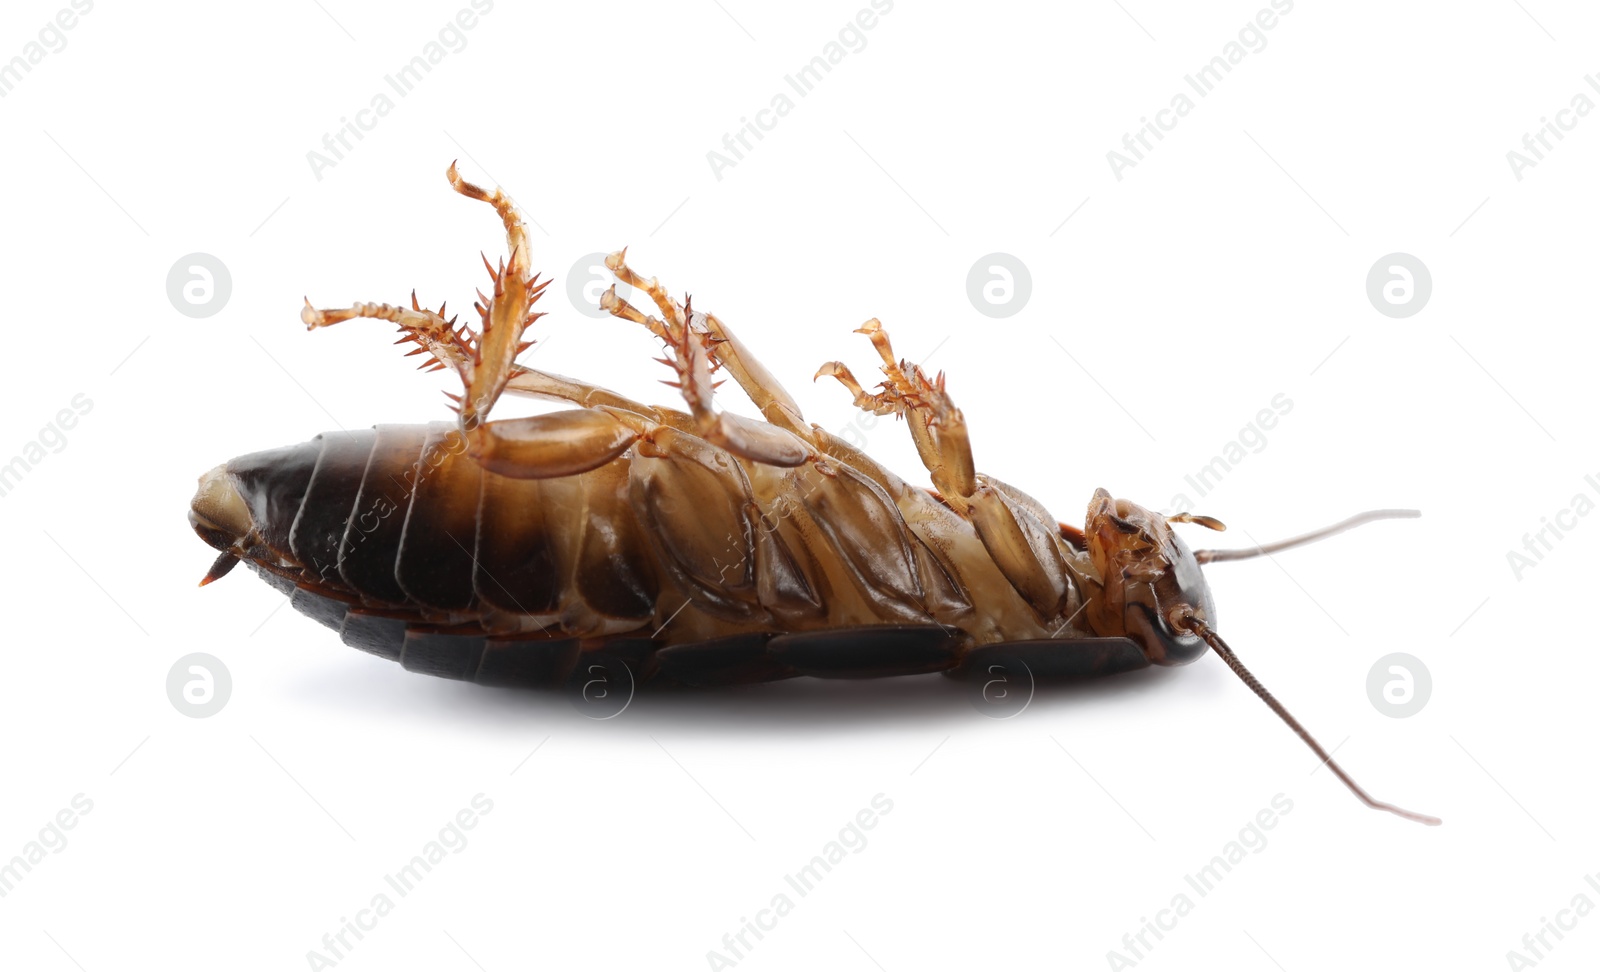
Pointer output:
x,y
1227,267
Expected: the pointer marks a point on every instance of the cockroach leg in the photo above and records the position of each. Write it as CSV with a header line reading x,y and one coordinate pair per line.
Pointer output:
x,y
938,428
688,360
450,346
1188,619
445,345
1023,545
723,348
504,315
881,403
894,370
485,360
532,383
567,443
764,390
617,263
516,233
551,445
691,358
617,307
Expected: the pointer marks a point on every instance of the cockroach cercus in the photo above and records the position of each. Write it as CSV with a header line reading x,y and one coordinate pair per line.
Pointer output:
x,y
695,545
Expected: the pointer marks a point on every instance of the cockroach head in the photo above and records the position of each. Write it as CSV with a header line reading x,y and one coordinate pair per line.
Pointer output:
x,y
1150,581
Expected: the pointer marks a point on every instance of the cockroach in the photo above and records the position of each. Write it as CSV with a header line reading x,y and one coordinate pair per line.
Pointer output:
x,y
695,545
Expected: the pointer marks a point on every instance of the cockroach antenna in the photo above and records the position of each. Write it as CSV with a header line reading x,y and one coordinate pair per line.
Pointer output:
x,y
1199,627
1213,556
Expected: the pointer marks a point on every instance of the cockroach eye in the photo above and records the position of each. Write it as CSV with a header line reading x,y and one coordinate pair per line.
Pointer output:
x,y
1123,525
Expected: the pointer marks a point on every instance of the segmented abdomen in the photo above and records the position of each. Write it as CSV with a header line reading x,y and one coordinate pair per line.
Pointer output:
x,y
400,519
676,555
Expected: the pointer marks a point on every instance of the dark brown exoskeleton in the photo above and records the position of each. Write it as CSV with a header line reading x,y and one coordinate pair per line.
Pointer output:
x,y
696,546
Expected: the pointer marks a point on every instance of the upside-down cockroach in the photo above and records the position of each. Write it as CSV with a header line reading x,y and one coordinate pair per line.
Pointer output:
x,y
696,546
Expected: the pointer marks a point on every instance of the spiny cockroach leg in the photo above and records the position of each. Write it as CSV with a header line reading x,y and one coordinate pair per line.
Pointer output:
x,y
505,314
446,345
453,346
881,403
894,370
688,358
485,359
545,446
516,233
725,350
555,445
937,427
691,346
617,263
617,307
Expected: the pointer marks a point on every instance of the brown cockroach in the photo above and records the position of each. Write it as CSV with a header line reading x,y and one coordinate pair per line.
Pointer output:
x,y
696,546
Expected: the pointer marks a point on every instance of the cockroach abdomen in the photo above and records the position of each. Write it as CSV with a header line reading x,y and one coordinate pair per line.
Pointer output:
x,y
868,652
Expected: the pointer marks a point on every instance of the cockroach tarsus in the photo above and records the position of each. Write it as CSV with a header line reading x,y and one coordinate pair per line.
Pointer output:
x,y
695,545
